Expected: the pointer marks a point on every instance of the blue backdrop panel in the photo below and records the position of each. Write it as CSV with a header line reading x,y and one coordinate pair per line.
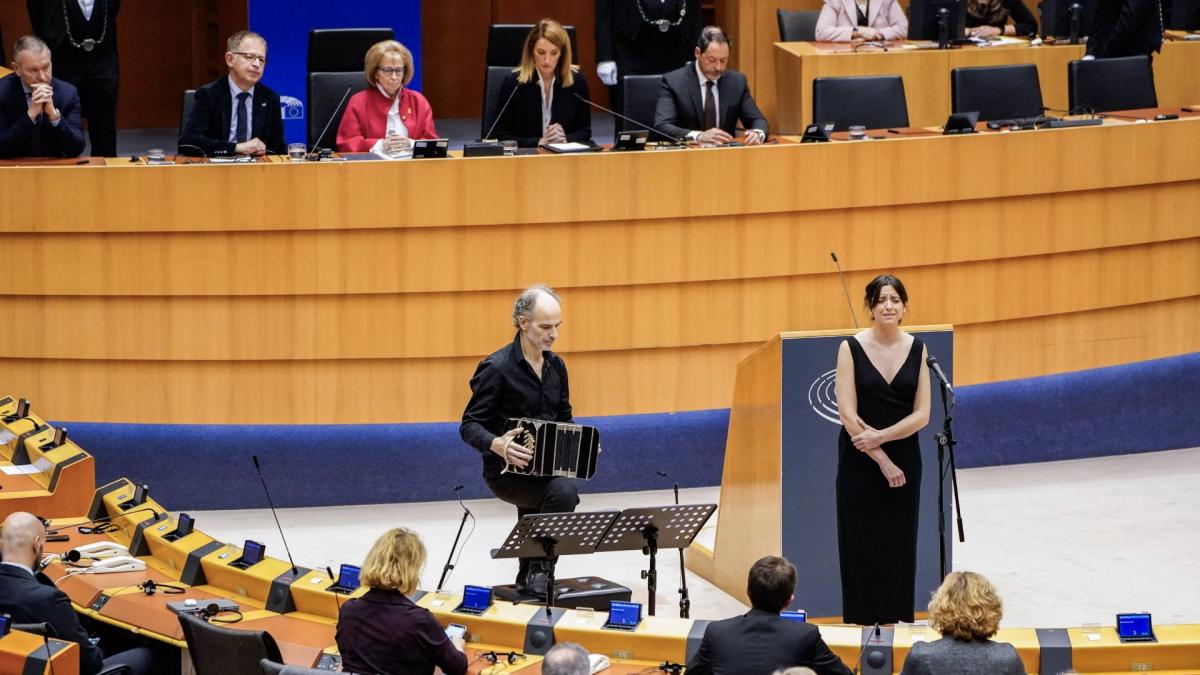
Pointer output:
x,y
809,462
285,25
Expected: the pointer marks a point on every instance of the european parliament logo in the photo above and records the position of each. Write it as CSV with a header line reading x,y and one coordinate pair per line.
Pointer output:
x,y
822,397
292,108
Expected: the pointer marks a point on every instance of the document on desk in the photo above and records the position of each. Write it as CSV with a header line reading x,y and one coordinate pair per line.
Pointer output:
x,y
569,147
7,437
20,470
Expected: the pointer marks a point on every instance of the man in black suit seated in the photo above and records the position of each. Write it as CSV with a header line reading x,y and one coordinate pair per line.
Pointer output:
x,y
1125,28
32,598
760,641
236,114
39,115
703,100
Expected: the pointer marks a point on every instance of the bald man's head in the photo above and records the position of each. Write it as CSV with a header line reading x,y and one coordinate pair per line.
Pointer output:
x,y
23,538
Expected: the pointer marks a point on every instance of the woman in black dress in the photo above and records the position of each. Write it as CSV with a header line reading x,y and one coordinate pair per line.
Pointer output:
x,y
883,400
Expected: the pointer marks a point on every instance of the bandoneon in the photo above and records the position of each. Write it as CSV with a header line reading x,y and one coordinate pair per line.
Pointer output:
x,y
559,448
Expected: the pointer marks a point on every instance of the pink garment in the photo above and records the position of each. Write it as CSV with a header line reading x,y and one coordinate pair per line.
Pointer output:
x,y
839,18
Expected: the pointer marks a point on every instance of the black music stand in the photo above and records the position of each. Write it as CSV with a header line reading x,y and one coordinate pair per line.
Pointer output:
x,y
650,528
552,535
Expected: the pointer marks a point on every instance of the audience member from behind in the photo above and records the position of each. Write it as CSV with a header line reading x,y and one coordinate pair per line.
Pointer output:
x,y
384,117
990,18
797,670
566,658
703,100
847,20
544,89
236,114
31,598
760,641
966,610
39,115
385,632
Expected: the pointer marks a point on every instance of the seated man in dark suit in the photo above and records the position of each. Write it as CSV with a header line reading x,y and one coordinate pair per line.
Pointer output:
x,y
760,641
39,115
31,598
236,114
703,100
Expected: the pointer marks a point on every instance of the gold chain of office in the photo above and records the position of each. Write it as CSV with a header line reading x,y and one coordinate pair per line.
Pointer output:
x,y
88,44
663,24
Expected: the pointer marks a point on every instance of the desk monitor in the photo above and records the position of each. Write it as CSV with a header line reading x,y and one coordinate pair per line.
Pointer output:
x,y
624,615
1059,15
1135,627
5,623
183,527
476,600
21,412
925,19
794,615
430,148
140,493
252,554
631,140
1182,14
347,580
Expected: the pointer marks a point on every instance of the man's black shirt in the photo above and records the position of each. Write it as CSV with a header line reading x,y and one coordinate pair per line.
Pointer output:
x,y
505,386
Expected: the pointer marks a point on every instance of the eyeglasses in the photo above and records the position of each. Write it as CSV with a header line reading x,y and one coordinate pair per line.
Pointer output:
x,y
392,71
252,58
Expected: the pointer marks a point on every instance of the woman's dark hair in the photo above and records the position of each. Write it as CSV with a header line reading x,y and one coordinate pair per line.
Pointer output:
x,y
875,289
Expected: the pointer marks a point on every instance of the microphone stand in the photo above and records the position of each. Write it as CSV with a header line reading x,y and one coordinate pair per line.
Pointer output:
x,y
945,442
685,604
450,559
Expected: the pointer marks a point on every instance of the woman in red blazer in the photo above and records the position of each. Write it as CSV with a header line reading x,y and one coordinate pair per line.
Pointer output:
x,y
384,116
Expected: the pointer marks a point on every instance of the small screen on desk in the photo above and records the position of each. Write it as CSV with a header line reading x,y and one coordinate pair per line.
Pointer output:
x,y
794,615
348,576
1133,625
625,613
477,597
183,526
252,552
5,624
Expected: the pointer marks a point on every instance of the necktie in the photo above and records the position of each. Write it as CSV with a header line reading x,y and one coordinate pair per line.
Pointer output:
x,y
710,106
242,132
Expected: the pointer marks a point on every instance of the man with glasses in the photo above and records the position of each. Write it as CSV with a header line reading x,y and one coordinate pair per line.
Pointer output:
x,y
39,115
236,114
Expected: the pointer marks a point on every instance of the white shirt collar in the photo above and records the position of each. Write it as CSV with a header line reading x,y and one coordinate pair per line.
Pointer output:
x,y
700,75
234,91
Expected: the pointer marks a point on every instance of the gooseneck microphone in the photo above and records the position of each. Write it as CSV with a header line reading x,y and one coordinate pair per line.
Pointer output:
x,y
258,469
875,660
336,598
317,146
842,276
685,603
937,370
673,139
500,114
450,560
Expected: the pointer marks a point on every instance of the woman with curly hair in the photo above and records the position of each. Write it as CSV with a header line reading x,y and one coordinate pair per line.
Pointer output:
x,y
966,610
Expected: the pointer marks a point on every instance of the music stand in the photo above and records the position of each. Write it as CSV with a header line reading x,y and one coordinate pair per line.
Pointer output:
x,y
649,528
552,535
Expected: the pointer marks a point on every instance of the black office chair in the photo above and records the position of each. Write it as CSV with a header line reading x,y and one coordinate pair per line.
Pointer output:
x,y
997,92
339,50
640,93
505,41
492,80
270,667
216,650
876,102
797,26
46,630
325,91
185,109
1111,84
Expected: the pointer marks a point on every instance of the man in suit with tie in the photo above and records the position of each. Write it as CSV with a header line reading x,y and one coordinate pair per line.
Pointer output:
x,y
39,115
83,36
236,114
703,100
761,642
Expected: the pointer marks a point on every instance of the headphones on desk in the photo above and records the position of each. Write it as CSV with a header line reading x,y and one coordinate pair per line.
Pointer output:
x,y
150,587
511,657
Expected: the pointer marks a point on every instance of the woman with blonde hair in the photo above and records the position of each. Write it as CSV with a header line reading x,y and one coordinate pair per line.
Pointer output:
x,y
385,632
384,117
966,610
548,94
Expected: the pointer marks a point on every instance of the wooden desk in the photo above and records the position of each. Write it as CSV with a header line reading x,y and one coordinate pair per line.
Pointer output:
x,y
313,300
21,653
926,74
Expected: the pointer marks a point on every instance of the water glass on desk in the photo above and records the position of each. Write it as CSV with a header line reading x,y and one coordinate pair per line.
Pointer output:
x,y
297,152
156,156
510,148
858,132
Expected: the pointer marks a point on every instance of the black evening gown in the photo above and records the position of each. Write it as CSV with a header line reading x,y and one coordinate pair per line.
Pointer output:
x,y
877,525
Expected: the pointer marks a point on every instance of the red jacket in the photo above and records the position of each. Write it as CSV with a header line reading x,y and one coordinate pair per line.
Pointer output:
x,y
365,120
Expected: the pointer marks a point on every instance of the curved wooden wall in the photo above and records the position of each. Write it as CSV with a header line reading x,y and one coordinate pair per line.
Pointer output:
x,y
367,292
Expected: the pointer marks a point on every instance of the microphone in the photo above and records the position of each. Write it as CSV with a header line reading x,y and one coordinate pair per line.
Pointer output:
x,y
842,276
501,113
676,141
336,595
875,660
189,145
450,560
673,484
937,370
317,146
257,468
